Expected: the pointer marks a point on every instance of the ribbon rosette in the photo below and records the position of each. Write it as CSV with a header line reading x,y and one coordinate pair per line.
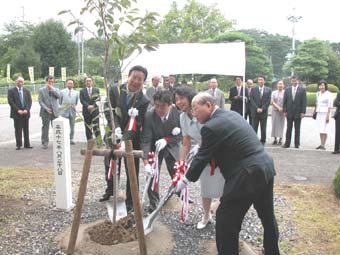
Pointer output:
x,y
132,124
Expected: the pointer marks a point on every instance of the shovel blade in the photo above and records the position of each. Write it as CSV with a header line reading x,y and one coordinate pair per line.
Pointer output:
x,y
121,209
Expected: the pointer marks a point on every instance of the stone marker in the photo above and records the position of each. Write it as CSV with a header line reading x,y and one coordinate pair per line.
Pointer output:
x,y
62,164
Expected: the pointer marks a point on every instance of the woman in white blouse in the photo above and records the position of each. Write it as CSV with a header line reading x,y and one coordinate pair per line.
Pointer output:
x,y
324,103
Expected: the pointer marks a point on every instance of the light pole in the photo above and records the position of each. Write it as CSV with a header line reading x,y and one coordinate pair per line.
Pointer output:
x,y
294,19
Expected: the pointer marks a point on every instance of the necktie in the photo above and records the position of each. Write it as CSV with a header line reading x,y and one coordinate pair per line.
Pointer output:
x,y
164,120
21,98
238,91
128,98
261,92
214,92
69,93
89,91
294,92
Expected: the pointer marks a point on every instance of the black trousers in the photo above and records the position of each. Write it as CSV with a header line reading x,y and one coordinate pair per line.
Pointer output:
x,y
230,214
92,123
337,134
297,124
170,162
21,126
262,120
248,115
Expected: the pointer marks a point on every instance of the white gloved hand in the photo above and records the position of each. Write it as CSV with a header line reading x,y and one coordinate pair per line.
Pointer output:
x,y
133,112
118,133
181,184
195,149
160,144
176,131
148,170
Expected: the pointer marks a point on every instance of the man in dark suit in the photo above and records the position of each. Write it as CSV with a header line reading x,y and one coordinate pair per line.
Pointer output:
x,y
152,90
161,133
49,97
129,105
88,98
260,101
236,96
246,167
294,108
337,124
20,100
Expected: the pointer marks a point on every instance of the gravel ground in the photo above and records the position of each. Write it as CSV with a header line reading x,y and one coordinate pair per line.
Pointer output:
x,y
34,230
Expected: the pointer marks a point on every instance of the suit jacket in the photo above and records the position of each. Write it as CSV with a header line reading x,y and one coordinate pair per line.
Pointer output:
x,y
154,129
237,104
295,107
219,97
15,103
68,103
118,99
336,103
231,141
49,99
257,101
87,100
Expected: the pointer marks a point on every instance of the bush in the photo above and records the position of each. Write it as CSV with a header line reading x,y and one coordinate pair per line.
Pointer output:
x,y
313,87
311,99
336,183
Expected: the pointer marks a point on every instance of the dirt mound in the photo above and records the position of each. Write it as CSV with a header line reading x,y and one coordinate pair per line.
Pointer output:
x,y
106,233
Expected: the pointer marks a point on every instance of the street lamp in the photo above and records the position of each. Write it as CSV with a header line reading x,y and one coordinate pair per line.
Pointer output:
x,y
294,19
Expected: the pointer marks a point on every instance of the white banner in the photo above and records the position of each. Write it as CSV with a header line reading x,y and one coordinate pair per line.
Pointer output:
x,y
63,73
31,73
51,70
8,72
191,58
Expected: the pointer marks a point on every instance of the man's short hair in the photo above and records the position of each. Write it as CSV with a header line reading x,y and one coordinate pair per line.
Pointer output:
x,y
261,76
205,97
49,77
294,77
88,77
236,77
139,69
163,96
70,80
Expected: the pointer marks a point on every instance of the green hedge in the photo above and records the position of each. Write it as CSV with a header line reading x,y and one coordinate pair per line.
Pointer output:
x,y
336,183
311,99
313,87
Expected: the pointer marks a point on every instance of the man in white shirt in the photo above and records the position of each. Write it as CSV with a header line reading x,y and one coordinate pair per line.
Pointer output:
x,y
68,101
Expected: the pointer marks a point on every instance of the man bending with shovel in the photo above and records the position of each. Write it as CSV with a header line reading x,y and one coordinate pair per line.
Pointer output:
x,y
161,134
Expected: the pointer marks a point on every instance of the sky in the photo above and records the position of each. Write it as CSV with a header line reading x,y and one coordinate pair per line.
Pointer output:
x,y
318,18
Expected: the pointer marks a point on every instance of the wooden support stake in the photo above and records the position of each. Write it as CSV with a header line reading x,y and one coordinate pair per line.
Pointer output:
x,y
135,197
81,194
107,152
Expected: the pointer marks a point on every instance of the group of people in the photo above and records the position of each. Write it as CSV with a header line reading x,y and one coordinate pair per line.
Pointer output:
x,y
288,105
174,122
52,104
229,159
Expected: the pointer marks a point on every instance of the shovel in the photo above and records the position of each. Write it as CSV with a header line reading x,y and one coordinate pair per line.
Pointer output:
x,y
147,222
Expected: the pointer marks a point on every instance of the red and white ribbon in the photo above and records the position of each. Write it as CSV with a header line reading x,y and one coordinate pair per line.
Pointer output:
x,y
155,181
132,124
111,169
181,167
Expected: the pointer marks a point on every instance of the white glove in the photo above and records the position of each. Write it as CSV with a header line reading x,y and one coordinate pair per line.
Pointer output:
x,y
181,184
118,133
176,131
148,170
195,149
160,144
133,112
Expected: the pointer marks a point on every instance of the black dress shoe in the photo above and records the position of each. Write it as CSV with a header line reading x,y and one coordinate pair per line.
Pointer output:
x,y
335,152
285,146
297,146
105,197
29,147
18,148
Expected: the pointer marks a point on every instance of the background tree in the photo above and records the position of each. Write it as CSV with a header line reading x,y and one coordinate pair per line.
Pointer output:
x,y
55,46
193,23
311,61
276,47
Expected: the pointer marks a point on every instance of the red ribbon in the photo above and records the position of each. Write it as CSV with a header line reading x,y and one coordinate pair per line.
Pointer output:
x,y
111,170
212,167
132,124
167,139
152,158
